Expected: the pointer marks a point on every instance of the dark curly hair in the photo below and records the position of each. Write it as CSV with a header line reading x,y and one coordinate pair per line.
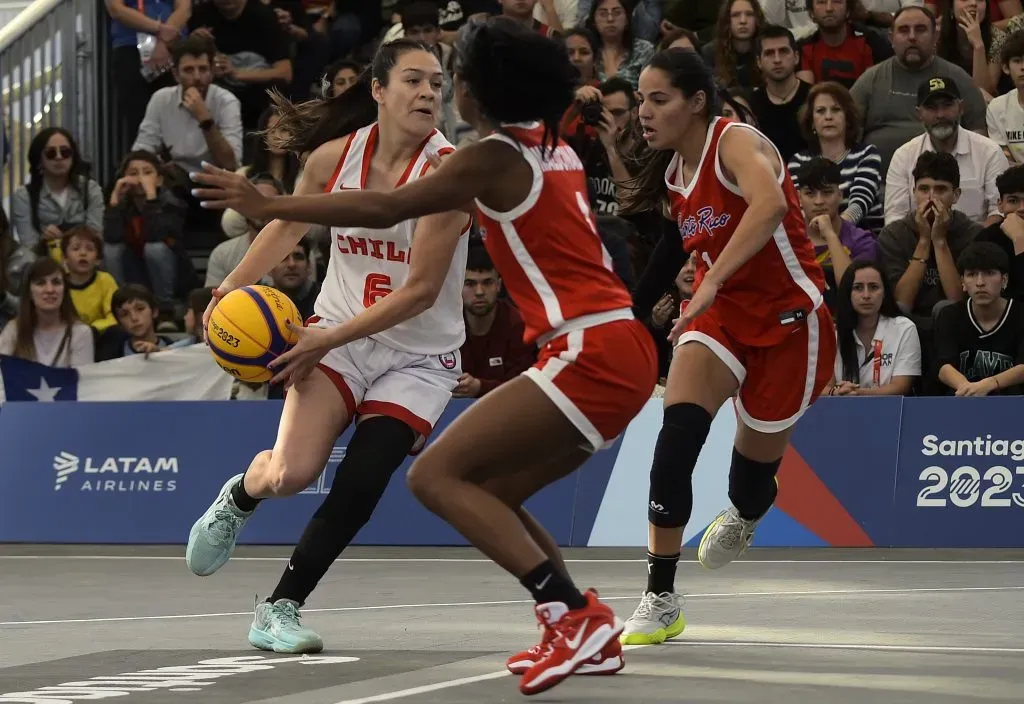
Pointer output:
x,y
516,75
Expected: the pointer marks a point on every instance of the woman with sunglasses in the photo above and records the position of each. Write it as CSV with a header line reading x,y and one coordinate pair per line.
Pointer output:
x,y
59,194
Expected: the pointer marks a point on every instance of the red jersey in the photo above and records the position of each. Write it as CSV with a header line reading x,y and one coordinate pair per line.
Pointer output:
x,y
547,249
780,284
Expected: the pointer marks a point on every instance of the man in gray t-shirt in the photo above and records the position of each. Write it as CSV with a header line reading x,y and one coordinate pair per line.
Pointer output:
x,y
887,92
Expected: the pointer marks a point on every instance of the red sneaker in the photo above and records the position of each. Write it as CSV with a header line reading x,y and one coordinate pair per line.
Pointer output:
x,y
607,662
579,637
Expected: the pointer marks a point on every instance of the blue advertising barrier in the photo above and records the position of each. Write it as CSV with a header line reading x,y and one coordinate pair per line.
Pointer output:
x,y
860,472
961,473
143,473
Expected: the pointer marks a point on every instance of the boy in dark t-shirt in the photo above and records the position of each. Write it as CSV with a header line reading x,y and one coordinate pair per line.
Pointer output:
x,y
980,341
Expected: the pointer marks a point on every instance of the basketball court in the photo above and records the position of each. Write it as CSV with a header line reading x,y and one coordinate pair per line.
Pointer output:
x,y
435,625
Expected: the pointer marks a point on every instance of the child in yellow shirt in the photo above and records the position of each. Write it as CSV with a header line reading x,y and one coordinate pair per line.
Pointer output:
x,y
91,289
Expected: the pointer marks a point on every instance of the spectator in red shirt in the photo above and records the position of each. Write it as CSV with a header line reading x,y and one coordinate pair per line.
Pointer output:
x,y
840,50
494,351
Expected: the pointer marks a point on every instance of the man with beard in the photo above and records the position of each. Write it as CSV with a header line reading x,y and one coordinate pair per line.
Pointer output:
x,y
194,120
886,92
980,159
494,351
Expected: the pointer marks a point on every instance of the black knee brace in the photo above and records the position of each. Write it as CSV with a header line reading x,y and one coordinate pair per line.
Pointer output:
x,y
752,487
683,432
378,447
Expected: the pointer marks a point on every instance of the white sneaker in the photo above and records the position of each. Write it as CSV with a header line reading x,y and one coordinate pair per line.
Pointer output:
x,y
728,537
657,618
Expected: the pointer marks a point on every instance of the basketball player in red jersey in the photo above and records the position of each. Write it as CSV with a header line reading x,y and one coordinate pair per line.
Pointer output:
x,y
756,327
597,364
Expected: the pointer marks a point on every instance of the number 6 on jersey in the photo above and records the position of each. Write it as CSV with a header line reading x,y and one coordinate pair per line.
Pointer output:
x,y
377,286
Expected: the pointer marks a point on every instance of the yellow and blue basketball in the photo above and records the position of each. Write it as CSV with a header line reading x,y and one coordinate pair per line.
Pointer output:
x,y
249,328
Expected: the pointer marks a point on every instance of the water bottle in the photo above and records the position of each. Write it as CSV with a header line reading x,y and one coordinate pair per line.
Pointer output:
x,y
146,44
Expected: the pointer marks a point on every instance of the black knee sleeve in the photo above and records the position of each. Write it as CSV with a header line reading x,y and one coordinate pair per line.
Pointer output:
x,y
752,487
378,447
684,430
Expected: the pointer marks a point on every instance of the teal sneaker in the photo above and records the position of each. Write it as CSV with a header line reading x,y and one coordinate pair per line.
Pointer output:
x,y
212,539
278,627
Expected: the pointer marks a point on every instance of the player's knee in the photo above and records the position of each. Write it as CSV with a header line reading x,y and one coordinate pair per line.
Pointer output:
x,y
683,432
420,484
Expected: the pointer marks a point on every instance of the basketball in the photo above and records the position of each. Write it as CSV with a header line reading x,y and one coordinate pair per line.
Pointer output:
x,y
249,328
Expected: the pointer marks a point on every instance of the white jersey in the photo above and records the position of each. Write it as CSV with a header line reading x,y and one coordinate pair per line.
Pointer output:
x,y
367,264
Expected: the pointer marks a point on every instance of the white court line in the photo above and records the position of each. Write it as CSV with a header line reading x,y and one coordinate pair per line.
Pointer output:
x,y
848,646
579,561
385,607
448,684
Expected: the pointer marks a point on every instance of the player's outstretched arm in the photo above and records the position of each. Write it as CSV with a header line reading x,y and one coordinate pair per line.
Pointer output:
x,y
750,161
463,175
279,237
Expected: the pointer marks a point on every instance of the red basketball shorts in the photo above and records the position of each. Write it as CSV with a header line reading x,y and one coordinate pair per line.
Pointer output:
x,y
777,383
599,377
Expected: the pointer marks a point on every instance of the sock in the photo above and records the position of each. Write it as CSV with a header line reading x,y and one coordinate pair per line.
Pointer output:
x,y
242,500
547,584
661,573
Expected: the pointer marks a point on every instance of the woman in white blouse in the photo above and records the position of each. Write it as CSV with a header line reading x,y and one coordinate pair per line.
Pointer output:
x,y
47,329
878,351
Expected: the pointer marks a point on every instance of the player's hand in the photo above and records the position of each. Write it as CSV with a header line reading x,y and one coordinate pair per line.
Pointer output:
x,y
229,190
702,299
219,292
295,365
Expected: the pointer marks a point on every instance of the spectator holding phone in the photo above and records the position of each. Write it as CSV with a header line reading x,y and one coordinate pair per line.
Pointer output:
x,y
606,111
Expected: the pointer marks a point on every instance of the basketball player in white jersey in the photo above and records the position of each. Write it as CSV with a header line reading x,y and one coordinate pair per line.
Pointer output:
x,y
405,280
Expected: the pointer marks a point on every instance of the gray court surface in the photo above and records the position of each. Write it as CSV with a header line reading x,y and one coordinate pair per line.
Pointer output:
x,y
435,625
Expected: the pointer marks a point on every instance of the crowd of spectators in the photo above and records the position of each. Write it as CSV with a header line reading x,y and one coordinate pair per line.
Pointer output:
x,y
900,122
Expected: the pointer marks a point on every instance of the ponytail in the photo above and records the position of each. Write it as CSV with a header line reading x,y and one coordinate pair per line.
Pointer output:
x,y
646,190
302,127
